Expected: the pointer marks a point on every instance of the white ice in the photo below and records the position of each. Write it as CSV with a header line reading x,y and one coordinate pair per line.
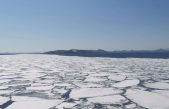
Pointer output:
x,y
96,79
111,99
127,83
66,105
117,77
93,92
3,100
147,99
32,103
158,85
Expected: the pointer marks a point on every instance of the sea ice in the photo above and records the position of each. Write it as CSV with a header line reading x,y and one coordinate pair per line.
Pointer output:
x,y
6,92
40,88
62,84
130,106
3,100
29,78
117,77
158,85
41,104
3,87
162,92
23,102
66,105
87,85
127,83
110,99
93,92
147,99
95,79
4,81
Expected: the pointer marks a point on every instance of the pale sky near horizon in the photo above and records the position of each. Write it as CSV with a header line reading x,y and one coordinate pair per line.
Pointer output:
x,y
43,25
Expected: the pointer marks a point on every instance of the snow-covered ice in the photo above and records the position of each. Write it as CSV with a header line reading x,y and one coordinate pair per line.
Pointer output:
x,y
158,85
40,88
117,77
111,99
95,79
3,100
93,92
66,105
42,104
58,82
130,106
127,83
148,100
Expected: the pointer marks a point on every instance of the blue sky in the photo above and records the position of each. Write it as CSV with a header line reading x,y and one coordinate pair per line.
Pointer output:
x,y
42,25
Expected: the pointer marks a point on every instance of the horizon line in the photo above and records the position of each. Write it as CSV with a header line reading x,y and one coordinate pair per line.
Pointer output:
x,y
33,52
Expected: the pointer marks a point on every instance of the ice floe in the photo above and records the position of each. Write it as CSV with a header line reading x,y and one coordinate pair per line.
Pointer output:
x,y
127,83
87,85
162,92
3,87
95,79
3,100
42,104
66,105
40,88
6,92
117,77
147,99
130,106
93,92
157,85
23,102
110,99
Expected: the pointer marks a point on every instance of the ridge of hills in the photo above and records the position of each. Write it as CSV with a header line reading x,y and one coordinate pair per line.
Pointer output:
x,y
159,53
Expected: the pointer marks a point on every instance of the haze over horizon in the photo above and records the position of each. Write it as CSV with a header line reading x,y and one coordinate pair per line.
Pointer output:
x,y
44,25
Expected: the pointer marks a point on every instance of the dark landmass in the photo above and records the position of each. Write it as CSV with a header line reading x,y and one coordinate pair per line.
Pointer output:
x,y
160,53
8,53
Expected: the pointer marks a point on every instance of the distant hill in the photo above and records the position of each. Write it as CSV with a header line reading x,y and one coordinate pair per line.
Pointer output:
x,y
8,53
160,53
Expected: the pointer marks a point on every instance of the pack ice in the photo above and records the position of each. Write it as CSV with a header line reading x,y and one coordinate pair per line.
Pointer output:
x,y
64,82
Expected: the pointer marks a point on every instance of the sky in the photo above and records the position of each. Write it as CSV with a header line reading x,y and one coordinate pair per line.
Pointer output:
x,y
44,25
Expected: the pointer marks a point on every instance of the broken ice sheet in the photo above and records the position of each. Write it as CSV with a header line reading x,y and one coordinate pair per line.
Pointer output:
x,y
4,81
95,79
66,105
110,99
3,100
147,99
164,93
51,77
3,87
62,84
88,85
41,104
130,106
40,88
117,77
23,102
6,92
127,83
157,85
93,92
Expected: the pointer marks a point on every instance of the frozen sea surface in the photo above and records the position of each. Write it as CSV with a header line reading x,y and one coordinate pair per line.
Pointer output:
x,y
60,82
